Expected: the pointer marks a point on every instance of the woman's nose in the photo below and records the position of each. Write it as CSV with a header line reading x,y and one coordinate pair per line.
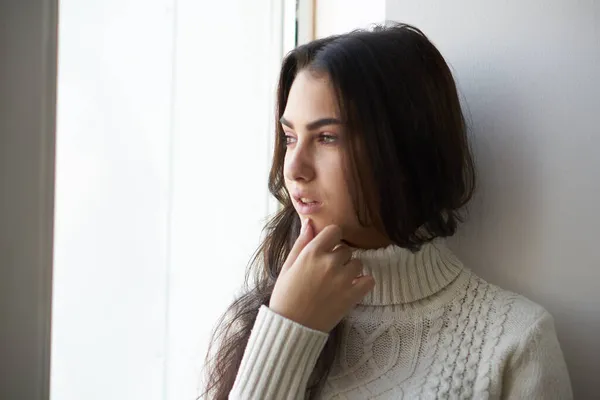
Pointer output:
x,y
299,164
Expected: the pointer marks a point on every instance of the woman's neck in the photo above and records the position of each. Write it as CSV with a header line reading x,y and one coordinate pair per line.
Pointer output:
x,y
369,238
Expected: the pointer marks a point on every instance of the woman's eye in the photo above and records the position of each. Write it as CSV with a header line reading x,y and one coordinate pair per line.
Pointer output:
x,y
327,139
289,140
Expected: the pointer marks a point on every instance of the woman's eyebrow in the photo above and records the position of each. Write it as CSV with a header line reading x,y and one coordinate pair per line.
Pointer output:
x,y
315,124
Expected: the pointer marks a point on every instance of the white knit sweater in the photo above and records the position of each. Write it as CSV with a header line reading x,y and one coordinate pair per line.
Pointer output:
x,y
430,329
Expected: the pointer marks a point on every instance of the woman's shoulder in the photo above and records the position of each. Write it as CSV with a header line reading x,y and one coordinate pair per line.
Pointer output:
x,y
511,316
519,339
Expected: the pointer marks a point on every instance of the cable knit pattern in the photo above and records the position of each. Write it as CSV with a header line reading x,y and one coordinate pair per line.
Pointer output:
x,y
431,329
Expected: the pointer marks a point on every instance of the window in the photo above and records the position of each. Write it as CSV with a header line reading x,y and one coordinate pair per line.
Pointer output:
x,y
164,135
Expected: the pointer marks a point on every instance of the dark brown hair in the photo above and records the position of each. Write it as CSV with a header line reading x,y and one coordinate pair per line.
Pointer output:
x,y
399,105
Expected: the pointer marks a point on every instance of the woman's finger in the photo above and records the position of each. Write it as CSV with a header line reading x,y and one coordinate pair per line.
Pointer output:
x,y
305,237
361,287
341,255
353,268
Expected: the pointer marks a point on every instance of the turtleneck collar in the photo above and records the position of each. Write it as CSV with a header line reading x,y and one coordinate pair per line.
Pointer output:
x,y
402,276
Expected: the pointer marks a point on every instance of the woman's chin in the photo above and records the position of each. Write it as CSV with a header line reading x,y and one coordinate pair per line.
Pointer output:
x,y
318,221
318,224
317,227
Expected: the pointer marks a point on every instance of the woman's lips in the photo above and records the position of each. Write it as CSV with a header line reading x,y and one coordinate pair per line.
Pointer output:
x,y
306,208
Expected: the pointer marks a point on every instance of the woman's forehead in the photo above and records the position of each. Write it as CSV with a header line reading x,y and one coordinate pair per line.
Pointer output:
x,y
310,98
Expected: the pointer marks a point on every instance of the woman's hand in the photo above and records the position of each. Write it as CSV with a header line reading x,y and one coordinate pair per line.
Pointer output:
x,y
319,283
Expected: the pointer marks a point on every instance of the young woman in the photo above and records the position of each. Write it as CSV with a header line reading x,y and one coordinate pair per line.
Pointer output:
x,y
355,295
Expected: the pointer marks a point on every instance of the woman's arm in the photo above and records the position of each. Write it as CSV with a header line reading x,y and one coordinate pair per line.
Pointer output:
x,y
279,359
538,369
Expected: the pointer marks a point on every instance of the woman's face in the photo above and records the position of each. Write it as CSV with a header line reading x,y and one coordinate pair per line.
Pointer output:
x,y
314,167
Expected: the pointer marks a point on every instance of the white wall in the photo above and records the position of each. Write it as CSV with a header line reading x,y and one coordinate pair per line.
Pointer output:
x,y
529,72
339,16
27,117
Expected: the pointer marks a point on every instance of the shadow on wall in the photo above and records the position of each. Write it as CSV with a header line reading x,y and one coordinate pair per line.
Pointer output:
x,y
505,214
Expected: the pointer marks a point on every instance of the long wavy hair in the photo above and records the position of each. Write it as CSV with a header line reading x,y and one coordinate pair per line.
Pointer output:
x,y
401,112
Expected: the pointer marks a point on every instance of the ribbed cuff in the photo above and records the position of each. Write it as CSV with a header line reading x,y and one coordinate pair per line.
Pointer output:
x,y
278,360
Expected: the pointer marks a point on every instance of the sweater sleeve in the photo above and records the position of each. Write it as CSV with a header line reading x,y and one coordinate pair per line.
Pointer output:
x,y
279,359
538,369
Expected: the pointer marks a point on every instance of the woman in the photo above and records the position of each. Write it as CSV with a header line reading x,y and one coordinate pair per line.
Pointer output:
x,y
356,296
